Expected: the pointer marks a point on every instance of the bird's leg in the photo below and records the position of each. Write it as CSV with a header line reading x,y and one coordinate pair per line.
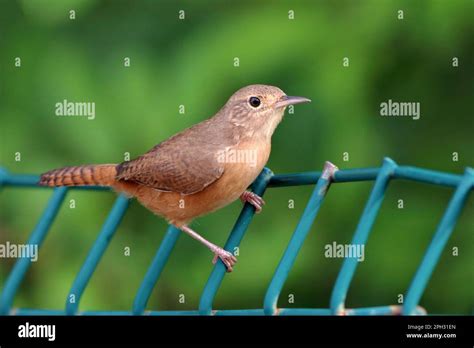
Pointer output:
x,y
254,199
227,258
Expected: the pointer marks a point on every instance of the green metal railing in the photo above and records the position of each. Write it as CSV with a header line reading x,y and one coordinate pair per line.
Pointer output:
x,y
462,185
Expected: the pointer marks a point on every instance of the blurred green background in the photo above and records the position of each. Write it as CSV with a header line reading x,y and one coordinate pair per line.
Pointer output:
x,y
191,62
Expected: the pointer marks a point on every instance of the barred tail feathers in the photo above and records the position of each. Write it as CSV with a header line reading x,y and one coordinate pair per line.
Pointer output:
x,y
102,175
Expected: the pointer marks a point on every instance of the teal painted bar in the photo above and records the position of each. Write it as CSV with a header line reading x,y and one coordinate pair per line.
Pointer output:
x,y
155,269
303,311
297,240
35,312
172,313
37,237
106,313
238,232
427,176
237,312
96,253
368,174
380,310
442,234
284,180
361,234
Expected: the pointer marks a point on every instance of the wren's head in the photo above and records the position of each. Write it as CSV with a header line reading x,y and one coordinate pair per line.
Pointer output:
x,y
258,109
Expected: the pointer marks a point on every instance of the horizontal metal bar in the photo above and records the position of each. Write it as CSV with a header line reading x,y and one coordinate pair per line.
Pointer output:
x,y
310,178
34,311
379,310
294,179
427,176
172,313
236,312
368,174
96,313
285,180
303,311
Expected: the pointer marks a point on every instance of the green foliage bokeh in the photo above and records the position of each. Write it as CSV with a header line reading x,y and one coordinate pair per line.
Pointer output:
x,y
191,62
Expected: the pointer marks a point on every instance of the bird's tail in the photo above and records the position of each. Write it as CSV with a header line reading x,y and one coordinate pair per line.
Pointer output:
x,y
101,174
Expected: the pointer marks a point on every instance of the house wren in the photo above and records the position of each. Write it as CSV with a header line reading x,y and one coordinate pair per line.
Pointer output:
x,y
200,169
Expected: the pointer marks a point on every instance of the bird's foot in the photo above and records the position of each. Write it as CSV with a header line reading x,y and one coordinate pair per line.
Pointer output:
x,y
253,199
226,257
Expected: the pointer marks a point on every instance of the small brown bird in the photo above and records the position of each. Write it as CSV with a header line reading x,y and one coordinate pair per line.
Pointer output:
x,y
200,169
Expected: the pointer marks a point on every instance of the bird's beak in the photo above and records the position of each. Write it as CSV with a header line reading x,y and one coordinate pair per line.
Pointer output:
x,y
287,100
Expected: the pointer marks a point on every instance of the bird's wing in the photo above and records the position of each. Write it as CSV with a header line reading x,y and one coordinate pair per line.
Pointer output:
x,y
185,163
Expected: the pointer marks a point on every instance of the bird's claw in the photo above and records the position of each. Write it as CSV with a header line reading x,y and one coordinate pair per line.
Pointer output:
x,y
253,199
226,257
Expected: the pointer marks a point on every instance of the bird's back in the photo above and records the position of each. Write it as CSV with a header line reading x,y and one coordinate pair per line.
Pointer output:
x,y
185,163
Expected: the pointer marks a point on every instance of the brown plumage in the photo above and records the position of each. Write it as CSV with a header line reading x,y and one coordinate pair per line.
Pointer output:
x,y
200,169
101,174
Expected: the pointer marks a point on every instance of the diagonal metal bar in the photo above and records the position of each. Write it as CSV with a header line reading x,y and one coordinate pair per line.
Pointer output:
x,y
297,240
442,234
37,237
361,234
96,253
238,231
155,269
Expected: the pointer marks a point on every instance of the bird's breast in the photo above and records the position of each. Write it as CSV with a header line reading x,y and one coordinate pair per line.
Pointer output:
x,y
242,164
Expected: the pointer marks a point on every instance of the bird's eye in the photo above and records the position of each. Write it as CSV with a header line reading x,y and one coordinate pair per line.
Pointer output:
x,y
254,101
